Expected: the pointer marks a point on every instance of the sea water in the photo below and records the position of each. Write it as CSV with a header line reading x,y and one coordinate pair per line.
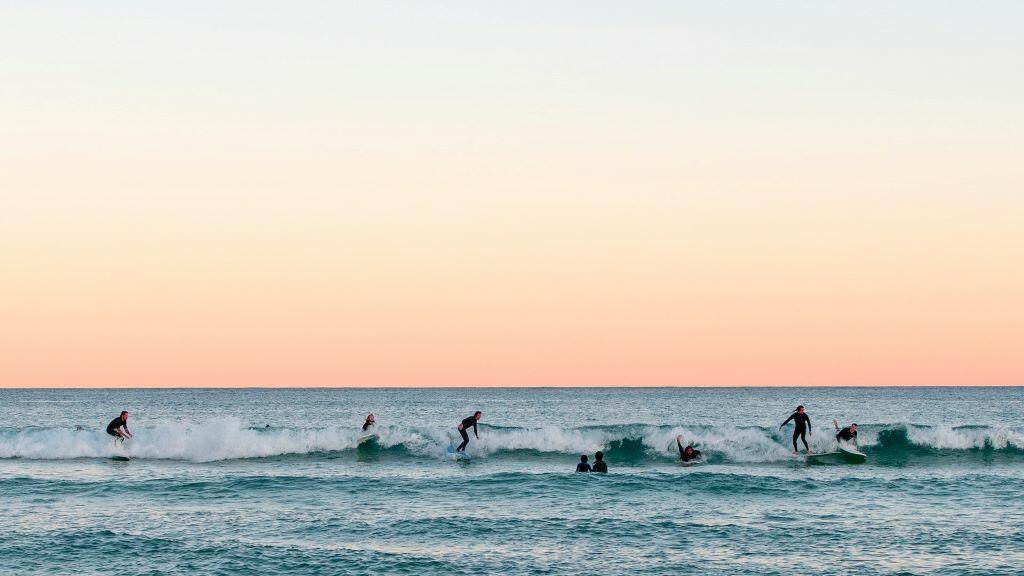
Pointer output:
x,y
275,482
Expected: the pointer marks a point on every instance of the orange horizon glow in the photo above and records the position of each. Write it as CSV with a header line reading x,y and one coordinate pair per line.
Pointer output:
x,y
666,197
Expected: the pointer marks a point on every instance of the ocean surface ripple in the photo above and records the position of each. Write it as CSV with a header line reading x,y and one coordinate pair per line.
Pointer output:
x,y
282,482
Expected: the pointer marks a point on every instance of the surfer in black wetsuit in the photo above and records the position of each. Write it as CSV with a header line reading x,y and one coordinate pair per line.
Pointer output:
x,y
467,423
370,421
688,453
117,424
599,464
802,426
583,466
848,434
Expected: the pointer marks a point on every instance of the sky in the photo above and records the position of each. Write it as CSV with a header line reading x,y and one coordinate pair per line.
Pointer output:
x,y
525,193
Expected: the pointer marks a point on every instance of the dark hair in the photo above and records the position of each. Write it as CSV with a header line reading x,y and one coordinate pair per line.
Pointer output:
x,y
854,424
583,458
123,412
598,455
798,408
477,413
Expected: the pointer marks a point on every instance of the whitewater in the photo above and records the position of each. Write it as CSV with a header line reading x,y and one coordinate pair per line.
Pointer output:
x,y
230,438
284,482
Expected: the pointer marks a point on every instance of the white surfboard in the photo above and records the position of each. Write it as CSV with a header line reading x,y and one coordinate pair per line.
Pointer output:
x,y
367,438
851,451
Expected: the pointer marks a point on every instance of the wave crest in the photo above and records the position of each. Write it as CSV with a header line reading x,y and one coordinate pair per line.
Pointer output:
x,y
229,438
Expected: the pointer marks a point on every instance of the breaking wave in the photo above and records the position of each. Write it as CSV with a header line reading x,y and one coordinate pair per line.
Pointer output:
x,y
637,444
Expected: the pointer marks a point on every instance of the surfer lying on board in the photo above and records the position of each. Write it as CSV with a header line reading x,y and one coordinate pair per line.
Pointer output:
x,y
466,423
370,421
801,425
848,434
118,427
688,453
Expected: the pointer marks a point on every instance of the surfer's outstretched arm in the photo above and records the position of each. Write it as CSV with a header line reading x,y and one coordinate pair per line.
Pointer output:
x,y
835,423
791,416
679,445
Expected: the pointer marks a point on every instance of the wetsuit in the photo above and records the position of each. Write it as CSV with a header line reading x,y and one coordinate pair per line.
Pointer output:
x,y
599,466
802,425
367,424
467,423
583,467
845,435
682,453
114,425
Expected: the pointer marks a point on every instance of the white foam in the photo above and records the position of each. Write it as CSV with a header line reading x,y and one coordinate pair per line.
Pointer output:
x,y
202,442
229,438
949,438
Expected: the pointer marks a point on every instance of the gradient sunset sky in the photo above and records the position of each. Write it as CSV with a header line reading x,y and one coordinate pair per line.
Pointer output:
x,y
521,193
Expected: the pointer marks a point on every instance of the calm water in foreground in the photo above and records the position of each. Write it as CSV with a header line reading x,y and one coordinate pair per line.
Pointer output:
x,y
275,482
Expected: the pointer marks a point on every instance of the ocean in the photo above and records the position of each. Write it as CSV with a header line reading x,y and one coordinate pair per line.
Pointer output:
x,y
270,482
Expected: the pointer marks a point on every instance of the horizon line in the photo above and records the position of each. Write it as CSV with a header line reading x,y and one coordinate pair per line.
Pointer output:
x,y
495,387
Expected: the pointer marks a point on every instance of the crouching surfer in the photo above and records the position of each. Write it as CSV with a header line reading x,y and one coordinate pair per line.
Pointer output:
x,y
370,421
469,422
846,435
118,427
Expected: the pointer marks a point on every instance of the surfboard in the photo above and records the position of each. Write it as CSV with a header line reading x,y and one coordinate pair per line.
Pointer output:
x,y
850,452
367,437
821,456
844,455
693,462
454,455
120,458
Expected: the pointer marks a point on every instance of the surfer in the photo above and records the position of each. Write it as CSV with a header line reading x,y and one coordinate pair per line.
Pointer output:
x,y
370,421
466,423
583,466
118,427
688,453
848,434
801,426
599,464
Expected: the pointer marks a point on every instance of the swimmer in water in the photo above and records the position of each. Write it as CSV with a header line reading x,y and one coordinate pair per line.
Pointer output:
x,y
688,453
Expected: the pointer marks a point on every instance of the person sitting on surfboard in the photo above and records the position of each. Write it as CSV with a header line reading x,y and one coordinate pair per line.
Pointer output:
x,y
370,421
848,434
599,464
688,453
583,466
116,425
801,425
466,423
